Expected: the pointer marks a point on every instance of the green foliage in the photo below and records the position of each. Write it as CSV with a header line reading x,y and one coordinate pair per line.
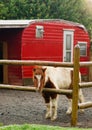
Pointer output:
x,y
38,127
73,10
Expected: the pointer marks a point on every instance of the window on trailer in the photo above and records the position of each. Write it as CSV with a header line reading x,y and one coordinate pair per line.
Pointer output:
x,y
83,48
39,31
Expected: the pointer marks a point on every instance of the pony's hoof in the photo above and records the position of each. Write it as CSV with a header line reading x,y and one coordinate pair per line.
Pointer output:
x,y
68,112
47,116
53,118
81,110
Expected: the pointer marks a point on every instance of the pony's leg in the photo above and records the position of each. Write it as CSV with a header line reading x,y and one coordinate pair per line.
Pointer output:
x,y
54,108
48,106
69,110
81,99
48,111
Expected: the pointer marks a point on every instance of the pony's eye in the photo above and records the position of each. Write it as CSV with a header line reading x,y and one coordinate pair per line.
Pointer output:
x,y
35,77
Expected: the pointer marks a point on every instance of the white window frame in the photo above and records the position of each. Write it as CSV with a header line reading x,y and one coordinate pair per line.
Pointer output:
x,y
39,31
83,43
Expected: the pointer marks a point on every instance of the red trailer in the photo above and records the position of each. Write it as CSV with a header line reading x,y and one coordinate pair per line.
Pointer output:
x,y
49,40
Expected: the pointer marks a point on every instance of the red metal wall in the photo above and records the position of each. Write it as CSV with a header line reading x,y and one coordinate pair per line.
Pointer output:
x,y
50,47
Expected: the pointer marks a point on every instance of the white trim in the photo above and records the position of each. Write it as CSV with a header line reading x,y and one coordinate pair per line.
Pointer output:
x,y
69,30
24,23
14,23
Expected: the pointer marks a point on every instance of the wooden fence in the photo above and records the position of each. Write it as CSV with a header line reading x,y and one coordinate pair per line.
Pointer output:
x,y
76,85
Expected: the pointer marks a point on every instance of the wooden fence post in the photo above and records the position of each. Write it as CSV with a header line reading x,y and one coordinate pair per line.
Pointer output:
x,y
74,115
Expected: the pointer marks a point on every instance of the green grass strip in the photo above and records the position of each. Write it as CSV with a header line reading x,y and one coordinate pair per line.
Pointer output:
x,y
39,127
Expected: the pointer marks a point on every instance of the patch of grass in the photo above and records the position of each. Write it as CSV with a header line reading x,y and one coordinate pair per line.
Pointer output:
x,y
38,127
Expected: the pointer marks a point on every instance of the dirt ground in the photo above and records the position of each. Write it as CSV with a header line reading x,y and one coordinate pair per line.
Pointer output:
x,y
18,107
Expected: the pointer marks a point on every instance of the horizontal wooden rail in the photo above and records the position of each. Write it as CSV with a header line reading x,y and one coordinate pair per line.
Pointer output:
x,y
85,84
45,63
85,64
35,62
33,89
84,105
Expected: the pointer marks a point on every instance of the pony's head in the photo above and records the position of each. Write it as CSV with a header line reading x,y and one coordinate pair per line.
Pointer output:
x,y
39,78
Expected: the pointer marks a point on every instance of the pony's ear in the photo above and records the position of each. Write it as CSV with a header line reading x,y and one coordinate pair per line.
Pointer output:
x,y
44,69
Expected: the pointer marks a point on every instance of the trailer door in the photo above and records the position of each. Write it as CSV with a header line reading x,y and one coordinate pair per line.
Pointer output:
x,y
3,68
68,45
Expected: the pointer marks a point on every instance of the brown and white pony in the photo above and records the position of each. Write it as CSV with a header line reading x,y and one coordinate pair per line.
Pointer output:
x,y
58,78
